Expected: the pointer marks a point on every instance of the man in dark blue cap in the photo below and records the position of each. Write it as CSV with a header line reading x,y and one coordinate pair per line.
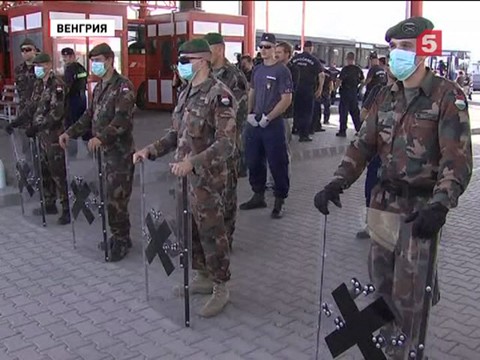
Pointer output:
x,y
270,95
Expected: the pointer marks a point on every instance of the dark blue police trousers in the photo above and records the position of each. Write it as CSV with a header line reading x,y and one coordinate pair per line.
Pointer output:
x,y
303,110
372,177
267,143
349,105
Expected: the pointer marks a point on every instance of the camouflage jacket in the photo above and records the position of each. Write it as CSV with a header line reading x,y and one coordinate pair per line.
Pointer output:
x,y
45,109
110,116
236,81
24,79
426,144
204,127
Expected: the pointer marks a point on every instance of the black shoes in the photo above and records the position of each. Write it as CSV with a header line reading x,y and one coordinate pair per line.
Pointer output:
x,y
277,212
256,202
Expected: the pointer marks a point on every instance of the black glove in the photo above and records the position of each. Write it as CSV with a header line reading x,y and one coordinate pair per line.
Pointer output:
x,y
428,221
31,131
331,192
9,129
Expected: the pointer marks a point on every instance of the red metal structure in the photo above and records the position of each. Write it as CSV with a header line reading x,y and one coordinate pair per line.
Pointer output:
x,y
416,8
165,34
248,10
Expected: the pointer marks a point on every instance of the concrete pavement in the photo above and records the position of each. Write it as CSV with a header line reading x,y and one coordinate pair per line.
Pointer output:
x,y
60,303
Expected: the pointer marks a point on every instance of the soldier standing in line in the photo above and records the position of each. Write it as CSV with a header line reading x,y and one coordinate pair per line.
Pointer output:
x,y
75,77
110,118
204,135
43,114
233,77
24,72
419,126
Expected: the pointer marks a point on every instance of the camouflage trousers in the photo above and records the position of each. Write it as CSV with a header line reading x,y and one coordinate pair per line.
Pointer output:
x,y
400,276
119,181
54,174
231,197
210,249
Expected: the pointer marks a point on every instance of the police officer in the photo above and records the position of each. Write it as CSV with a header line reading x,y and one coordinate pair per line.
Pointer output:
x,y
269,97
43,115
233,77
376,75
419,126
204,135
322,101
109,117
350,78
308,86
75,77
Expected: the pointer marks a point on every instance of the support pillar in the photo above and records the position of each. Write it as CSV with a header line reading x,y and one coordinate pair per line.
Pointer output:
x,y
143,11
302,38
266,16
416,8
248,10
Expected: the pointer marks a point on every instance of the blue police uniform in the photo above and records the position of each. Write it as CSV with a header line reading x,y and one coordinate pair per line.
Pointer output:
x,y
351,76
261,143
307,69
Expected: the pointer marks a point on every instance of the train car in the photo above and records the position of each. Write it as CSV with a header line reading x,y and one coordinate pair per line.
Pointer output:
x,y
334,50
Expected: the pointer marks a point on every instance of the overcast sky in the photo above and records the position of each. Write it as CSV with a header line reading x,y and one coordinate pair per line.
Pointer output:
x,y
364,20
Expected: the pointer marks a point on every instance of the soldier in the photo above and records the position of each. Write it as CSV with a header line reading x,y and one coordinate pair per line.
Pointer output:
x,y
204,135
237,83
419,127
24,73
43,114
109,117
75,76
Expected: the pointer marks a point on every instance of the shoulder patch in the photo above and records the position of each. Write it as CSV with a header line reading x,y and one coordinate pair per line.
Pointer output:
x,y
59,88
225,100
460,102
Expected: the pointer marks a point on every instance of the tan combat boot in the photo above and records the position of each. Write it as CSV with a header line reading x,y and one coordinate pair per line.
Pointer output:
x,y
201,284
219,299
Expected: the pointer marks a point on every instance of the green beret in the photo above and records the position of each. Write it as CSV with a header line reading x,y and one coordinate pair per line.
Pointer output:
x,y
28,41
42,58
408,29
194,46
214,38
101,49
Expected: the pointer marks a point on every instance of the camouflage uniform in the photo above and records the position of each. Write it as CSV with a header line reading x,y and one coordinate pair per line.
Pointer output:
x,y
109,117
236,81
204,129
426,155
45,112
24,79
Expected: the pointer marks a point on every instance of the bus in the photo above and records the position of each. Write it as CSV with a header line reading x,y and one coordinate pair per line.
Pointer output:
x,y
450,62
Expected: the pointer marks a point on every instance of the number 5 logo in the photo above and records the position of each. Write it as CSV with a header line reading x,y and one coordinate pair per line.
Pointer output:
x,y
429,43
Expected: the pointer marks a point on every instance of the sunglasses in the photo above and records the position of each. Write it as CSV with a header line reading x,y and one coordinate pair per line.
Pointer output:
x,y
267,47
185,60
26,50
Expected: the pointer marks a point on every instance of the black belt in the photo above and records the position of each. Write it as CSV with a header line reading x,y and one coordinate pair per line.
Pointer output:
x,y
406,191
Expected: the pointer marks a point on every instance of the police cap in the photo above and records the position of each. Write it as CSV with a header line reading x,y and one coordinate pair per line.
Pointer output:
x,y
268,37
214,38
373,55
26,42
41,58
101,49
408,29
194,46
67,51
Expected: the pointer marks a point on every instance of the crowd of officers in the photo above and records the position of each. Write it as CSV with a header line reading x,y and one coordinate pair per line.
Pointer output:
x,y
226,117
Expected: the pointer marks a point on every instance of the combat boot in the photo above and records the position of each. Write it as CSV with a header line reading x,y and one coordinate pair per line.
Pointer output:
x,y
64,219
219,299
277,212
256,202
201,284
49,210
118,251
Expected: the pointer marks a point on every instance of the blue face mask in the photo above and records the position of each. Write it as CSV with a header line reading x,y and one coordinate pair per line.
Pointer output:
x,y
39,72
98,68
402,63
185,71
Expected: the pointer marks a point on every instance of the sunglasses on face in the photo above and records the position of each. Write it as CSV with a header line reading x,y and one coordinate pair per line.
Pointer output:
x,y
26,49
186,60
267,47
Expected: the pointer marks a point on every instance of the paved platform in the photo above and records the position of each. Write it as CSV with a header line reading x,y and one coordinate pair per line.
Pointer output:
x,y
60,303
